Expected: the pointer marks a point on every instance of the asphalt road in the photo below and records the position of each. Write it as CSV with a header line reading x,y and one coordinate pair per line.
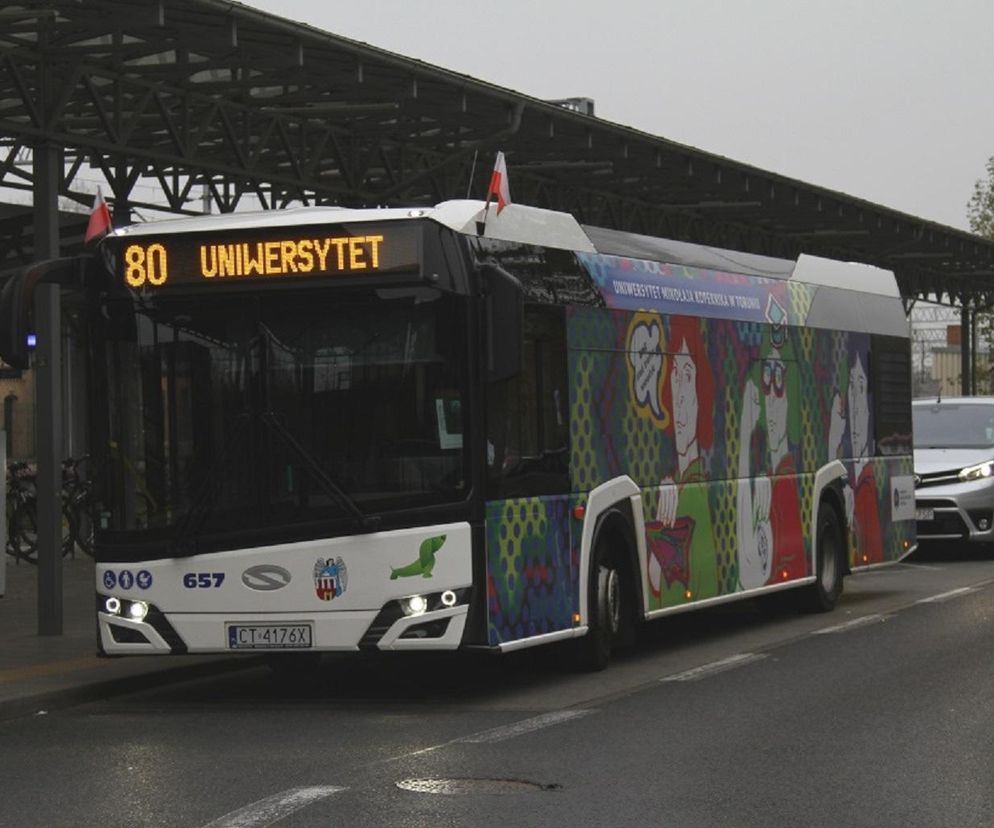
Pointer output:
x,y
881,713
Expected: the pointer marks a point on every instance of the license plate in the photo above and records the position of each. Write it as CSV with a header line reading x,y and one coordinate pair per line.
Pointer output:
x,y
924,514
268,636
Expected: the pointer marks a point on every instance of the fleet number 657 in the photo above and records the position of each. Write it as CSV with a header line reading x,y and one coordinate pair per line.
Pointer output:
x,y
203,580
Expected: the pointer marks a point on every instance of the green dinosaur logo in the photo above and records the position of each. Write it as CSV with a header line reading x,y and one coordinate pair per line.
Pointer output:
x,y
425,562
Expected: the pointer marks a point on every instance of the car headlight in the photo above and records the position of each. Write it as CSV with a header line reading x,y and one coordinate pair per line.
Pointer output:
x,y
978,472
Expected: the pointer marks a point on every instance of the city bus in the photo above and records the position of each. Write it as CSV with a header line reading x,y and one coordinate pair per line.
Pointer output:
x,y
327,429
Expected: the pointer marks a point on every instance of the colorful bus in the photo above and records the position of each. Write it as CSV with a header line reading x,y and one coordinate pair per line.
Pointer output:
x,y
425,429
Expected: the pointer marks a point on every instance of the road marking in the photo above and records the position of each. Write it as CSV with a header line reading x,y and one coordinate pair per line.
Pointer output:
x,y
945,596
906,565
850,625
269,810
500,734
716,667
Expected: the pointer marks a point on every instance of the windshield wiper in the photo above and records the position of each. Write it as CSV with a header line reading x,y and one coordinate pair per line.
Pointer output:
x,y
367,522
203,502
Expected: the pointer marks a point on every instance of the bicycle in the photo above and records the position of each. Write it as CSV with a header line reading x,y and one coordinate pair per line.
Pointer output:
x,y
77,491
22,515
20,497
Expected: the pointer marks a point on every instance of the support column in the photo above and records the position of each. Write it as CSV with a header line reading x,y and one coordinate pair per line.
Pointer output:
x,y
122,212
3,512
48,390
973,352
966,349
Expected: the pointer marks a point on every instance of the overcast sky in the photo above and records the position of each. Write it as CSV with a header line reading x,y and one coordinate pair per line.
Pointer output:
x,y
887,100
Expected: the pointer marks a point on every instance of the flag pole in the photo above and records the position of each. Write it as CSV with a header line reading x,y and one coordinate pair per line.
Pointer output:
x,y
481,225
472,172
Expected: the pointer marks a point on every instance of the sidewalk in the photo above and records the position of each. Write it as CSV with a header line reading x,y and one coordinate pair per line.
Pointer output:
x,y
47,672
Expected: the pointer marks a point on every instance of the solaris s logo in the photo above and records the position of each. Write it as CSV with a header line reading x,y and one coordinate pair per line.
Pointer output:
x,y
265,577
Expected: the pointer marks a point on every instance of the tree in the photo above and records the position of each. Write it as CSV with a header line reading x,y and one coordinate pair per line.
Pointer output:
x,y
980,215
980,207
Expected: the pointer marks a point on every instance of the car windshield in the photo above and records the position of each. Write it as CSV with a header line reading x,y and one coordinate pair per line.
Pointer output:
x,y
953,425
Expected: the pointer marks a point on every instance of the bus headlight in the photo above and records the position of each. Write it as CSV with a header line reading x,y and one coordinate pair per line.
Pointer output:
x,y
415,605
113,605
137,610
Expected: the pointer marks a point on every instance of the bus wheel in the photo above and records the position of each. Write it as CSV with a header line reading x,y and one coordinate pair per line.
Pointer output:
x,y
823,594
606,611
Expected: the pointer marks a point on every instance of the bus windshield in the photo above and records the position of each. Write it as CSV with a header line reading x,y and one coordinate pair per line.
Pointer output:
x,y
280,409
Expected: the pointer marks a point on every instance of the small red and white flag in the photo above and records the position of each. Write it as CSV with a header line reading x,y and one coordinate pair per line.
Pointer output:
x,y
99,224
498,184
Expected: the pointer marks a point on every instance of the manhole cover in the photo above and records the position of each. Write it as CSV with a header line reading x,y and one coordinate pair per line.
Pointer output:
x,y
452,787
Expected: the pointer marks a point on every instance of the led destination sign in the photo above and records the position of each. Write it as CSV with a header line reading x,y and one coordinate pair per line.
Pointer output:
x,y
267,255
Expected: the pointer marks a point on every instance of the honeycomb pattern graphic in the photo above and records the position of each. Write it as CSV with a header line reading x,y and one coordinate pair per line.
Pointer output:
x,y
583,462
800,295
810,450
530,582
726,504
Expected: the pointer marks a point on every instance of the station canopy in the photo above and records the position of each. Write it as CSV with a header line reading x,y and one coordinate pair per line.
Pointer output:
x,y
188,105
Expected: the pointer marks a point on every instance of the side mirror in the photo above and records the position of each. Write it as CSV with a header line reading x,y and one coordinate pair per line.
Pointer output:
x,y
505,310
17,302
15,321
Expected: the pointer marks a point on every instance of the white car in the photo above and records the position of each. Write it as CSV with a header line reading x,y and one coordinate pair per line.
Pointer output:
x,y
954,468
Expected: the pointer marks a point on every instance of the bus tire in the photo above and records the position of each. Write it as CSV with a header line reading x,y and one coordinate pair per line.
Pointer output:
x,y
823,594
607,609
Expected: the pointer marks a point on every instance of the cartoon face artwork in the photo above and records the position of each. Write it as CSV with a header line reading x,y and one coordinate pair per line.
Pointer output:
x,y
688,395
683,380
768,512
774,389
682,562
859,409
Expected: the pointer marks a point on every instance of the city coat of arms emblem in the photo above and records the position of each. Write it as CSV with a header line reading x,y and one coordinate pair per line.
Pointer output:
x,y
331,577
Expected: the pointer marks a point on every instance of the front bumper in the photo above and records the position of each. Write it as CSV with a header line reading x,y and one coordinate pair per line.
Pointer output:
x,y
179,633
960,511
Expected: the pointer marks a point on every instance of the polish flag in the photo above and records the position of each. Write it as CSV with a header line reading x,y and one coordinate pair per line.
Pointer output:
x,y
99,224
498,184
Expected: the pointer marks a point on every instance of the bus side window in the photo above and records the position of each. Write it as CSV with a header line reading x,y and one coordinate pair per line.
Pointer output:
x,y
528,415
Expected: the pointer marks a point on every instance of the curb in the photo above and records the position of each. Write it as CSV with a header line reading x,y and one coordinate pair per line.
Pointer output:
x,y
48,701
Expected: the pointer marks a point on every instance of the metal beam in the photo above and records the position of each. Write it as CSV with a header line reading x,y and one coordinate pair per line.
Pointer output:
x,y
48,390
